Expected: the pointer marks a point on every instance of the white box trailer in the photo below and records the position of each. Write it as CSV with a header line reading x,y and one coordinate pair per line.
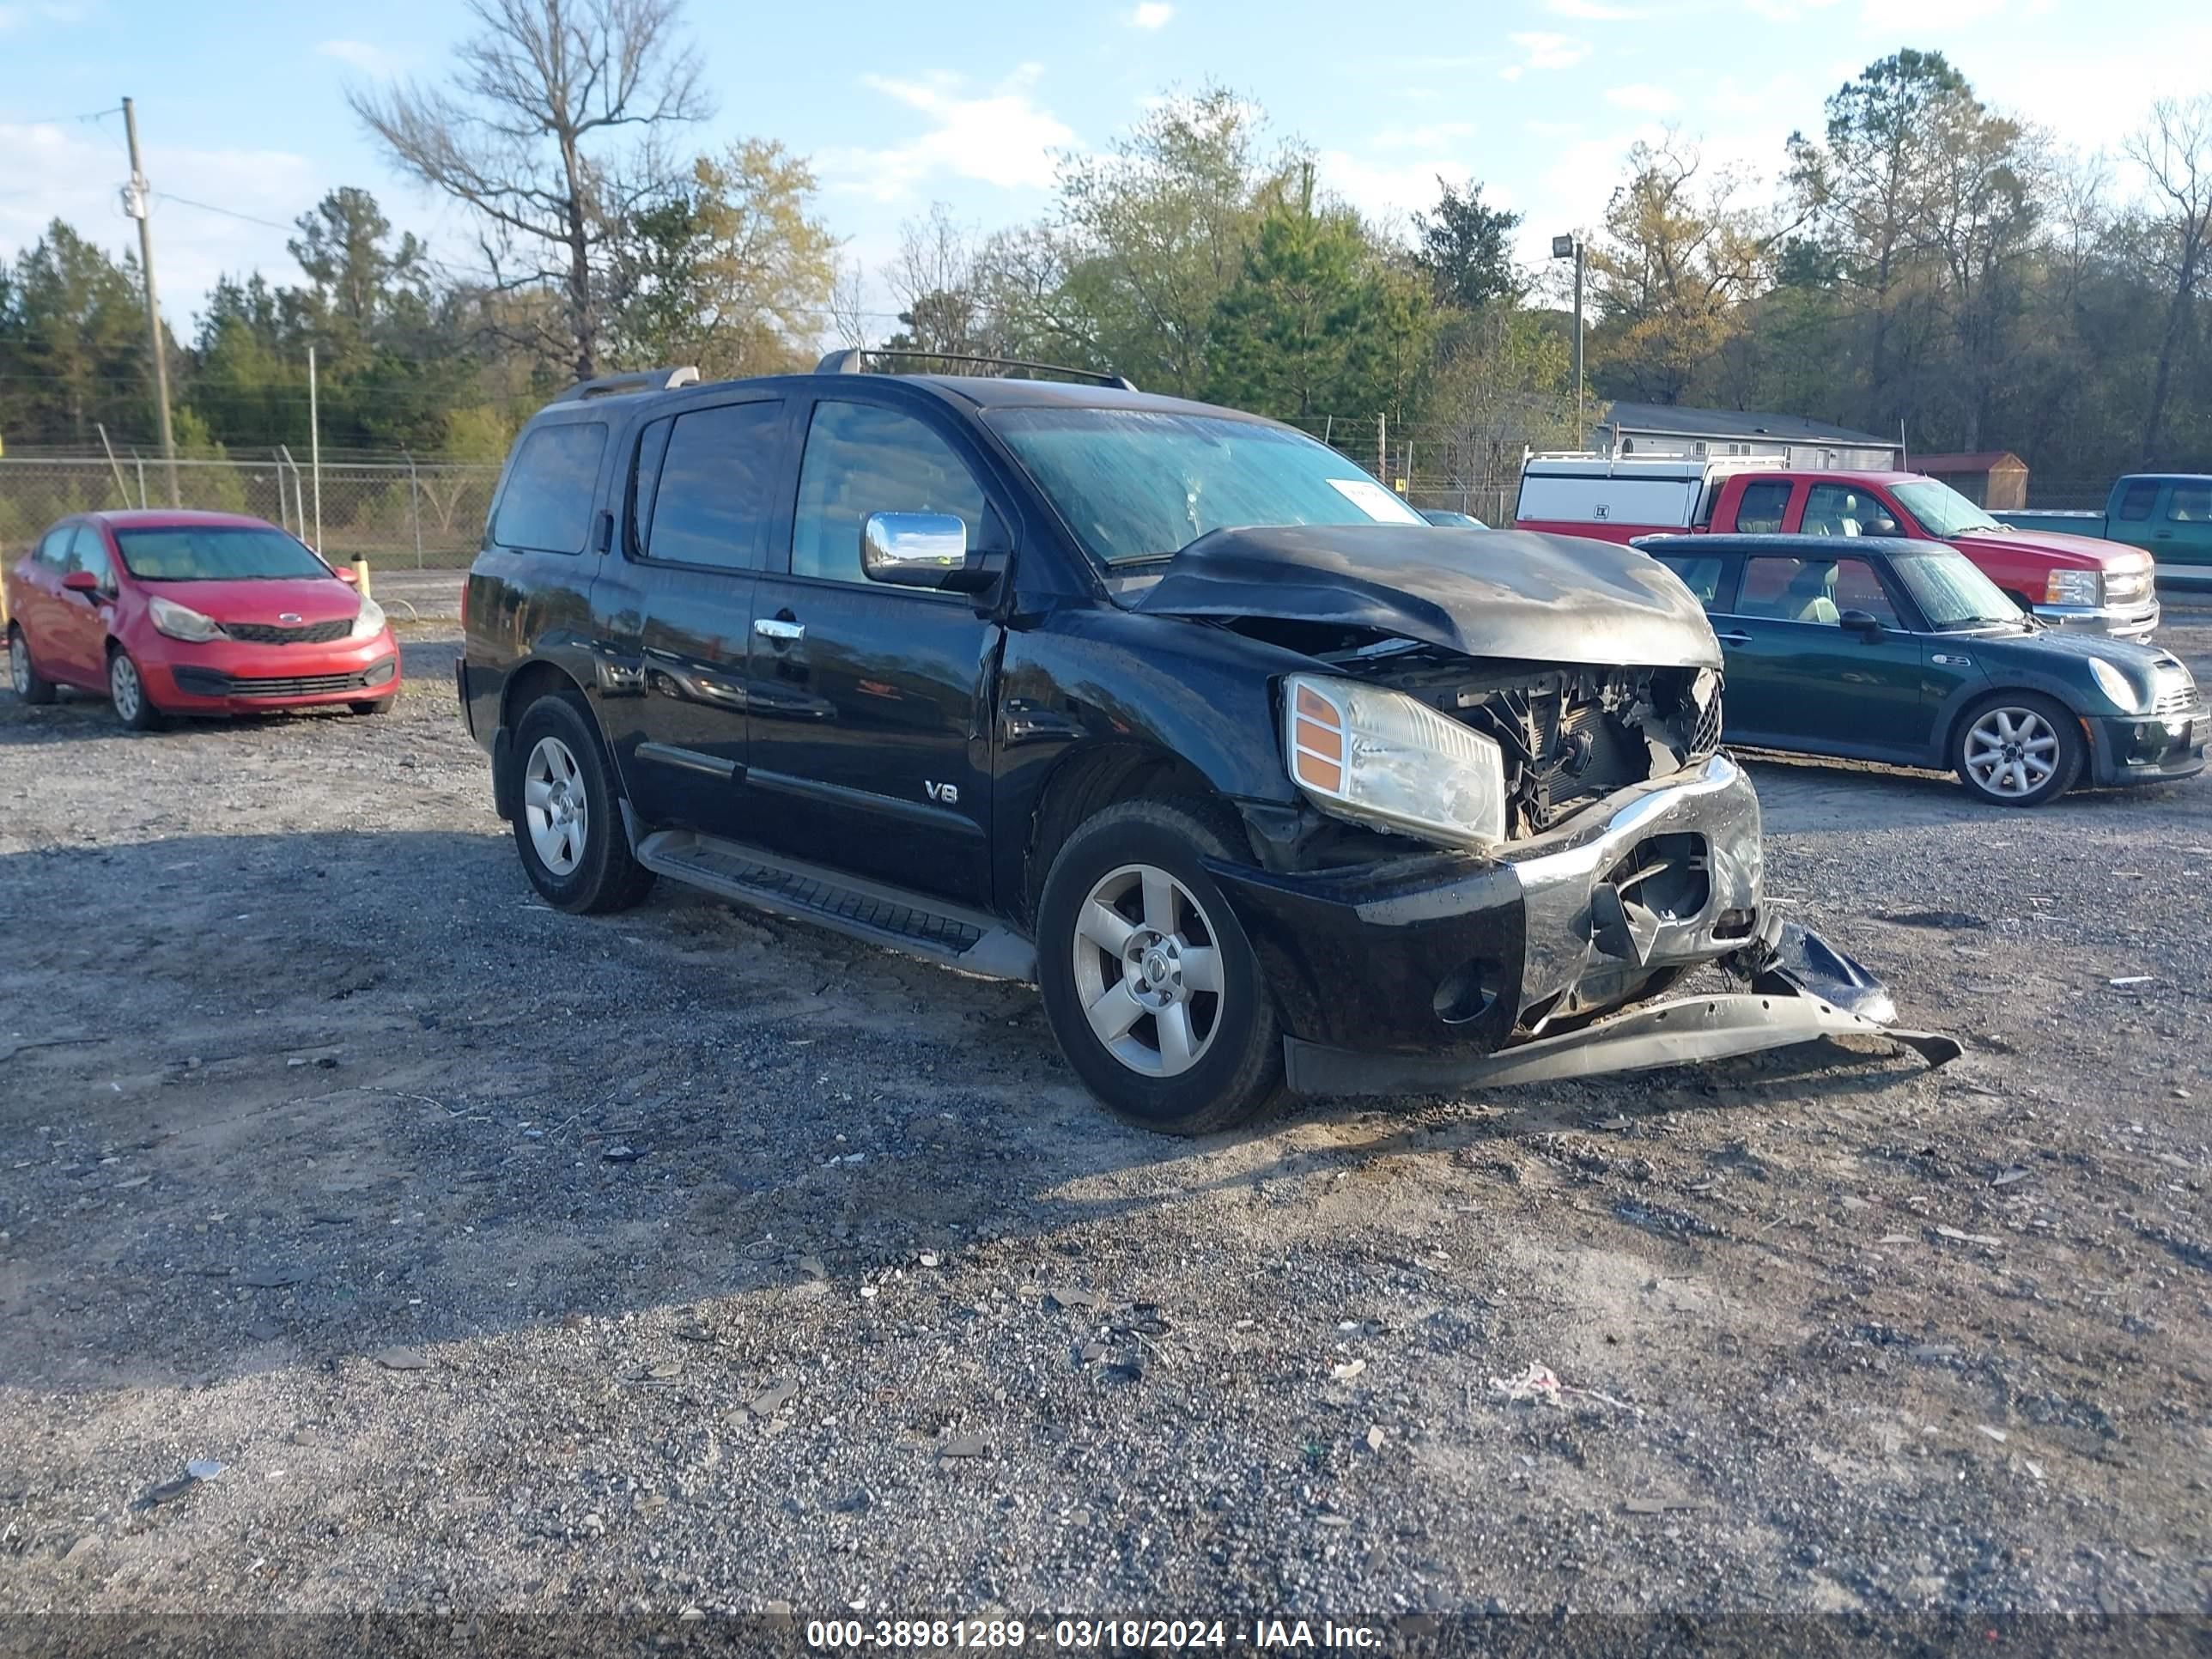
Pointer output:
x,y
1584,495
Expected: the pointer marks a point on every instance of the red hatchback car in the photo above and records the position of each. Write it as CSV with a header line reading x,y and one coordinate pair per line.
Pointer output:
x,y
193,613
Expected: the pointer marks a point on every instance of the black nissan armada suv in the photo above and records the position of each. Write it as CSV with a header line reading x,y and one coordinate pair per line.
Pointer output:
x,y
1263,779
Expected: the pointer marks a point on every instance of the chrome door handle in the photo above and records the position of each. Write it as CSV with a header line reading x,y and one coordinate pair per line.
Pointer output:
x,y
774,627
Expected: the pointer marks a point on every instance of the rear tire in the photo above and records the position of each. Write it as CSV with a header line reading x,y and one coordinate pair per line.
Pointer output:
x,y
30,685
1151,987
568,821
2018,749
126,690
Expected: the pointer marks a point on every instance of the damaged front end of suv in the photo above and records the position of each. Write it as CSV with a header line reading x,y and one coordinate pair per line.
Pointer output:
x,y
1517,832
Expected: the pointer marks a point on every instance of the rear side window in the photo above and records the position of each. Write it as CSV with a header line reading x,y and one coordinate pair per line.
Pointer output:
x,y
1759,510
2136,503
717,489
2192,504
547,504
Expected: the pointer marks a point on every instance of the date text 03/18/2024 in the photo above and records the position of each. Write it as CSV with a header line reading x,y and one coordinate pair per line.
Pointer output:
x,y
1087,1634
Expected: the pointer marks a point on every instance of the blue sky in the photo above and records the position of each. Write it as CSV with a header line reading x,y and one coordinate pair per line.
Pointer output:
x,y
966,101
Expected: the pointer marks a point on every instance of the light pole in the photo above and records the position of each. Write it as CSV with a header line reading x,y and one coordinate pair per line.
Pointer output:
x,y
1570,247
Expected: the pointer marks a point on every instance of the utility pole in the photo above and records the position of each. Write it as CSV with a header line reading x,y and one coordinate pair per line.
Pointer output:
x,y
1563,247
134,204
315,446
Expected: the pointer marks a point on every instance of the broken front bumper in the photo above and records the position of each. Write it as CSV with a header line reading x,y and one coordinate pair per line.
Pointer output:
x,y
1441,971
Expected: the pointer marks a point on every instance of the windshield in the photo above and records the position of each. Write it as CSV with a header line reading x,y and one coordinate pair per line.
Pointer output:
x,y
1943,511
1137,484
215,553
1950,591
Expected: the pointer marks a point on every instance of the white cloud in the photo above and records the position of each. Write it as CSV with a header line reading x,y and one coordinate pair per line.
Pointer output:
x,y
1546,52
1151,14
72,173
1385,192
1002,138
361,55
1433,135
1644,98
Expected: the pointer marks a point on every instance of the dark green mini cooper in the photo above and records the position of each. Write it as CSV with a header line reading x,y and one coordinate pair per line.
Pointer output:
x,y
1902,651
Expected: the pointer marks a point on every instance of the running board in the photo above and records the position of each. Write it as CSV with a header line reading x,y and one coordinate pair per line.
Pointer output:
x,y
917,924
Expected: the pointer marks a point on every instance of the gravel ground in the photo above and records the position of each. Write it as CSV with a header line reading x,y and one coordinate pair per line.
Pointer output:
x,y
510,1260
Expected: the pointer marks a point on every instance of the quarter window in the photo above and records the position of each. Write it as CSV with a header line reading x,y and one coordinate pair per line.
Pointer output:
x,y
717,489
2192,504
547,504
2136,503
863,459
1759,511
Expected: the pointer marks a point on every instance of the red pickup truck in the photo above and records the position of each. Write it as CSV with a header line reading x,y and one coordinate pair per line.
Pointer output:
x,y
2074,581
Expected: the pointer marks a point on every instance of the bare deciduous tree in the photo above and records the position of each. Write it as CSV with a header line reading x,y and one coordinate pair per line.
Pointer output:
x,y
2174,150
526,133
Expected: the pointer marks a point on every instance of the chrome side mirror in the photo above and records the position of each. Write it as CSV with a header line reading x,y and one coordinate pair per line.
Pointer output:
x,y
922,549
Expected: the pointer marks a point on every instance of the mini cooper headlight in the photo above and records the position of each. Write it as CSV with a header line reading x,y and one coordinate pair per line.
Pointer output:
x,y
2119,687
1382,758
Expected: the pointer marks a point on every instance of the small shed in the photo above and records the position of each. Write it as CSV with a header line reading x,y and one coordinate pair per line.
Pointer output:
x,y
1992,478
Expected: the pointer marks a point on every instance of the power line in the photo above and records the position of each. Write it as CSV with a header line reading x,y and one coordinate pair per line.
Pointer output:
x,y
56,120
228,213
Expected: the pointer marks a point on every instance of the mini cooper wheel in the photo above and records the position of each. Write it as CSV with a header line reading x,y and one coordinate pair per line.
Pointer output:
x,y
567,825
30,685
1151,988
2018,749
126,690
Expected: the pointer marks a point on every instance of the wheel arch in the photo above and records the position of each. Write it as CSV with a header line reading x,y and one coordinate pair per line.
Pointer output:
x,y
527,682
1989,697
1086,780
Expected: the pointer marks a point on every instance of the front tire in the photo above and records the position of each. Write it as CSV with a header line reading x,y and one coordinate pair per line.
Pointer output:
x,y
1151,987
30,685
2018,749
568,822
371,706
126,690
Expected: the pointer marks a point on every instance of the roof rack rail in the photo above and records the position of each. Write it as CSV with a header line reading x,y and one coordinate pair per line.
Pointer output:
x,y
643,380
855,362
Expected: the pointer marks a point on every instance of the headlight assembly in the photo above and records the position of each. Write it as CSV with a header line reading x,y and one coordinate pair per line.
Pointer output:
x,y
1382,758
181,622
370,623
2119,687
2073,587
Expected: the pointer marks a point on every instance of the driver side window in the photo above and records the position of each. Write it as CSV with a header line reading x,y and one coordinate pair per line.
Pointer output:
x,y
1837,510
862,458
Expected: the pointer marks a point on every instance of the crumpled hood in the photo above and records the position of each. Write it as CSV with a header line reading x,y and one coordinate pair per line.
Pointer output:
x,y
1481,592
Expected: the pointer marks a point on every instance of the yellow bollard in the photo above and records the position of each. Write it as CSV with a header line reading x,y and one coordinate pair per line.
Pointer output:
x,y
361,575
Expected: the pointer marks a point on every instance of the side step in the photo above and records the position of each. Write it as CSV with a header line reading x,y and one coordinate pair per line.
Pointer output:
x,y
917,924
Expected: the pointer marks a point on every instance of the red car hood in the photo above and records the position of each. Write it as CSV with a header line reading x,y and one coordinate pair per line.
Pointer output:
x,y
2073,552
294,601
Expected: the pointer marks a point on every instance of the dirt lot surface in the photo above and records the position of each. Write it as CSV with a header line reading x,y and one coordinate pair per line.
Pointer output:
x,y
506,1258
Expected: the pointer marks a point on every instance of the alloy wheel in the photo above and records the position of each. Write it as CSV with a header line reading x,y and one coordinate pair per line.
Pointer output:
x,y
19,665
123,689
555,805
1148,970
2011,751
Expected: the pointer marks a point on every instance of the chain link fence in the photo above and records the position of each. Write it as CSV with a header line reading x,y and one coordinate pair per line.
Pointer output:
x,y
424,515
